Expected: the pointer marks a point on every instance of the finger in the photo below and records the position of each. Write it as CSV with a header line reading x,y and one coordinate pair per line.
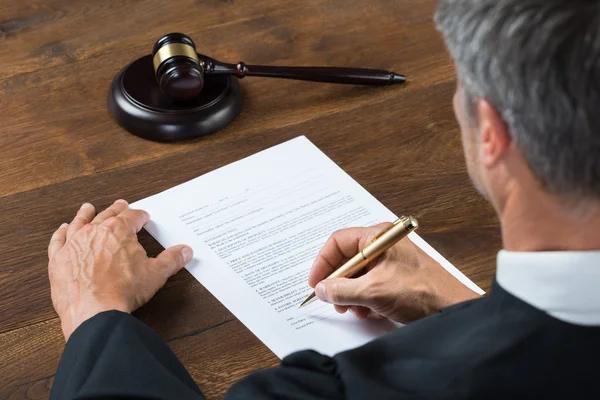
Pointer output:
x,y
360,312
341,245
135,219
58,240
340,309
173,259
115,209
84,216
345,292
373,315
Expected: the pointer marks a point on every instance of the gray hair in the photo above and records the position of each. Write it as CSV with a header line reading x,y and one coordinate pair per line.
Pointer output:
x,y
538,63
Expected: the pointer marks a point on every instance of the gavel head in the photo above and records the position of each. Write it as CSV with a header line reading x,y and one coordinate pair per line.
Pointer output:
x,y
179,73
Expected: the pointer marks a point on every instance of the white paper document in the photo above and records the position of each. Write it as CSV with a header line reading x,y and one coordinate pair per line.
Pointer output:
x,y
256,226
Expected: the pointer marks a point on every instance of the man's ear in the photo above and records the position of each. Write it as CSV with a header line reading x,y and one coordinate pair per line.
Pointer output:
x,y
494,137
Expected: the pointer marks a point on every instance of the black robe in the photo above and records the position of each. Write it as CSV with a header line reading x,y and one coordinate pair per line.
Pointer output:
x,y
496,347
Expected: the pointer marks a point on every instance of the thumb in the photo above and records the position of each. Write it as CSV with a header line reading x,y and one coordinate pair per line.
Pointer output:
x,y
173,259
343,291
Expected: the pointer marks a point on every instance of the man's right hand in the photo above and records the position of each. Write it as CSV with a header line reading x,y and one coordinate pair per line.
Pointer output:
x,y
404,284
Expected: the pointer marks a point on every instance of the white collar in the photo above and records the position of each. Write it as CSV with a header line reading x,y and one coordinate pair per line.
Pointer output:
x,y
565,284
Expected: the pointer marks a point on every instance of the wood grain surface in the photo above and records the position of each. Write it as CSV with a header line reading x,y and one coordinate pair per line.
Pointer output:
x,y
60,148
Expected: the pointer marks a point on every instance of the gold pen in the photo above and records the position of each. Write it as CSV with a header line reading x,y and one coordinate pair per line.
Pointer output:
x,y
380,243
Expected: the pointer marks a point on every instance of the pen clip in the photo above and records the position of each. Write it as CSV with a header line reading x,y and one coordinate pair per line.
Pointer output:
x,y
386,230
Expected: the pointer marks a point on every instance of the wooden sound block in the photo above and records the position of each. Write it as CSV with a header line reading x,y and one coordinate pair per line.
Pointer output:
x,y
138,105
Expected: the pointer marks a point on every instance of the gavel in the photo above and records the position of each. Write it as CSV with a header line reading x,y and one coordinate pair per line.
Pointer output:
x,y
176,93
181,72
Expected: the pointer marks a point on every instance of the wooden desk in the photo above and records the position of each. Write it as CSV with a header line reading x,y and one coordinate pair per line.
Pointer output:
x,y
60,148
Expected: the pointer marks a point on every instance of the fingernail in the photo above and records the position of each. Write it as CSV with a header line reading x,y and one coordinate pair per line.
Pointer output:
x,y
121,201
320,292
187,254
64,225
86,205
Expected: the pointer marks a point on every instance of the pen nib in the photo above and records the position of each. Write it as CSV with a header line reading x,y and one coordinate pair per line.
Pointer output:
x,y
309,300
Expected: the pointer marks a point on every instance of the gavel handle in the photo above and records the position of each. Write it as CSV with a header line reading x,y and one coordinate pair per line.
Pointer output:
x,y
354,76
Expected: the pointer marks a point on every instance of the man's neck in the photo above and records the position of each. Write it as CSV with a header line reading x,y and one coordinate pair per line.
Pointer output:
x,y
539,222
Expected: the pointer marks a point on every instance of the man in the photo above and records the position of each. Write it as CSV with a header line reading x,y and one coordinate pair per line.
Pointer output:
x,y
528,104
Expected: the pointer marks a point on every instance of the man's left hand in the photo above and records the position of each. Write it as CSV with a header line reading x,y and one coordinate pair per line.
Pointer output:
x,y
96,264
